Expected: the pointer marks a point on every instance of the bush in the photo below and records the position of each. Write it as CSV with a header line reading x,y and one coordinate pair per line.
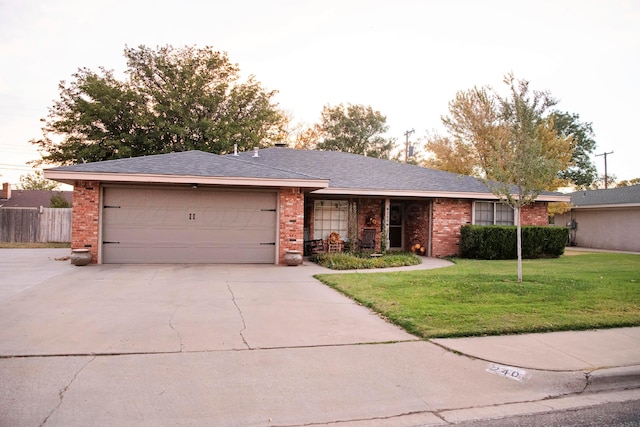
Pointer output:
x,y
500,242
363,260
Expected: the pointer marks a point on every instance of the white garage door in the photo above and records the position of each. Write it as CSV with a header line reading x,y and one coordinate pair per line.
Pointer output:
x,y
143,225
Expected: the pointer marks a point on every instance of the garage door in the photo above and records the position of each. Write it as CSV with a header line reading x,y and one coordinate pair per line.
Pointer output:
x,y
143,225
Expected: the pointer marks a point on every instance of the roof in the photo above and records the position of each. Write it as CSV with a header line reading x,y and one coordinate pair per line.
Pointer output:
x,y
612,197
33,198
184,167
361,175
323,172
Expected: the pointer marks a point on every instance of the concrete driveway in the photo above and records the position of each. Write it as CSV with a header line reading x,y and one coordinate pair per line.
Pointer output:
x,y
116,309
222,345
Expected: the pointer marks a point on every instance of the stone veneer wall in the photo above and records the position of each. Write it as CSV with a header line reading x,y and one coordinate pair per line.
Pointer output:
x,y
291,221
85,225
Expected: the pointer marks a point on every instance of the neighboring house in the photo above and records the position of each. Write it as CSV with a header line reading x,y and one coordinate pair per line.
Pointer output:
x,y
252,207
30,198
604,219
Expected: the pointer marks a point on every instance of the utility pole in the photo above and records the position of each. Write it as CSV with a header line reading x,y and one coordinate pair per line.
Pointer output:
x,y
606,177
406,144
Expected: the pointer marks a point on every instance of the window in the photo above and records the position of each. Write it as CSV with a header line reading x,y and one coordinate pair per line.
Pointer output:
x,y
330,216
492,213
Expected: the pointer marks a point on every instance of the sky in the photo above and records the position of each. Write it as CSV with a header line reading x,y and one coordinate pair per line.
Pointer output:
x,y
405,58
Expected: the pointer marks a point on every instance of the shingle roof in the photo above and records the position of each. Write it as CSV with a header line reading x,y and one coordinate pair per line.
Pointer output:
x,y
349,172
352,171
611,196
186,163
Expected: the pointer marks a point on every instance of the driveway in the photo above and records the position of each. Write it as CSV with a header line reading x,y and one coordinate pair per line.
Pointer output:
x,y
221,345
116,309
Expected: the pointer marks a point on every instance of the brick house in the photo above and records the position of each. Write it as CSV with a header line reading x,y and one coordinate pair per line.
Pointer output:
x,y
254,206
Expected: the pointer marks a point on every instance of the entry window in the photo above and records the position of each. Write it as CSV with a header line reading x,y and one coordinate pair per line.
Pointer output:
x,y
330,216
492,213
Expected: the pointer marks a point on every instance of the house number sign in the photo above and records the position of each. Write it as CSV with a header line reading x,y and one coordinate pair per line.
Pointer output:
x,y
510,372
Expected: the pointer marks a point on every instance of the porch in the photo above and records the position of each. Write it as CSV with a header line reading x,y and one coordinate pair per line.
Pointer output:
x,y
374,224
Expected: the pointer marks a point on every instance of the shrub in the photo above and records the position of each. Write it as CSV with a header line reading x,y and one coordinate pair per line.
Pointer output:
x,y
363,260
500,242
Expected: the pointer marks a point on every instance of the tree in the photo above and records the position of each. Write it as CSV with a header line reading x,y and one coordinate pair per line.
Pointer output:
x,y
532,155
474,124
599,182
354,129
37,181
58,201
171,100
513,145
581,172
628,182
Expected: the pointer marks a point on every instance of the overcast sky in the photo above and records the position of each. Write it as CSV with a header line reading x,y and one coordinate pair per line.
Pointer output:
x,y
405,58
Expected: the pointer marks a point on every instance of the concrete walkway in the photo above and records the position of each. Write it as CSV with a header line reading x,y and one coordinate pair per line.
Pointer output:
x,y
265,346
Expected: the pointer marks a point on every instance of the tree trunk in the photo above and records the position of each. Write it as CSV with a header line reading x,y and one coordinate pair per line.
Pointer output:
x,y
519,244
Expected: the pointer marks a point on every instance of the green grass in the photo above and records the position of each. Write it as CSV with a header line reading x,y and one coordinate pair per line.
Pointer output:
x,y
50,245
364,260
476,298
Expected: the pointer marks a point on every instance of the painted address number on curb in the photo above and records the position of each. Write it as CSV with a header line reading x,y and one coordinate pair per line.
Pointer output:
x,y
509,372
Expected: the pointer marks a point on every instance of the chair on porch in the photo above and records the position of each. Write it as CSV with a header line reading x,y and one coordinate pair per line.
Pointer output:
x,y
368,240
316,247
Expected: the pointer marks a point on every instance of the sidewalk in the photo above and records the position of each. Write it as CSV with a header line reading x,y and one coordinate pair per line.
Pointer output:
x,y
610,357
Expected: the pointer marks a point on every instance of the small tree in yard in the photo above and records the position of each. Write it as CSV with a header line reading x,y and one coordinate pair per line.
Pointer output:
x,y
531,156
520,153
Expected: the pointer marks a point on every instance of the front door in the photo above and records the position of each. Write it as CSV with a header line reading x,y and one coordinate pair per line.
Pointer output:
x,y
396,226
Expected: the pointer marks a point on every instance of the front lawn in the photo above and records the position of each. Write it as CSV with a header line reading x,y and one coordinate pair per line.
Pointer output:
x,y
484,298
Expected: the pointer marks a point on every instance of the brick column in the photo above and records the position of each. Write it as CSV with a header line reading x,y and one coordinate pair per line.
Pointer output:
x,y
291,221
85,221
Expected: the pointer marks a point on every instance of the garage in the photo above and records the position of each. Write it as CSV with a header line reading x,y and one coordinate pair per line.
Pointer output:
x,y
188,225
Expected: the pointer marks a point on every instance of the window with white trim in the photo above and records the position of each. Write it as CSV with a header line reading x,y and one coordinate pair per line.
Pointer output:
x,y
492,213
330,216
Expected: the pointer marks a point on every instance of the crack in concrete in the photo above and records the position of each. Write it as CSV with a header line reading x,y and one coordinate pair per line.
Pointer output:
x,y
244,324
175,330
62,392
142,353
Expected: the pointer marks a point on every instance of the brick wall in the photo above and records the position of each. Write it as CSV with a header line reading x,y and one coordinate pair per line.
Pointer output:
x,y
291,221
535,214
86,217
417,224
448,216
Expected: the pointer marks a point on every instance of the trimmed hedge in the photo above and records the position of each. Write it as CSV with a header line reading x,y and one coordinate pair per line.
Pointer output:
x,y
499,242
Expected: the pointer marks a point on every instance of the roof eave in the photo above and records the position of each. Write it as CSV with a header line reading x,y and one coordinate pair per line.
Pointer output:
x,y
429,194
70,178
608,206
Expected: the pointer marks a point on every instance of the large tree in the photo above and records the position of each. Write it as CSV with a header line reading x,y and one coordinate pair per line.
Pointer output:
x,y
582,172
475,122
171,100
354,129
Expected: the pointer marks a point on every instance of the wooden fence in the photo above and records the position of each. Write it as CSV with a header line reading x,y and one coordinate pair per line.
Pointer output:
x,y
32,225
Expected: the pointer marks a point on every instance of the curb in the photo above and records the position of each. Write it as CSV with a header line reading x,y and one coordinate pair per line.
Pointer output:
x,y
613,378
